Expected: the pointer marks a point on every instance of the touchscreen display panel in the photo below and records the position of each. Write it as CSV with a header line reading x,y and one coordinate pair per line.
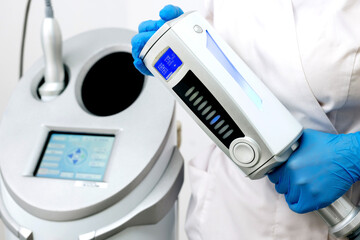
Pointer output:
x,y
75,156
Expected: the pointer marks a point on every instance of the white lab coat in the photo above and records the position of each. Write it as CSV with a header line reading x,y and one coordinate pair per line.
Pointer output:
x,y
306,52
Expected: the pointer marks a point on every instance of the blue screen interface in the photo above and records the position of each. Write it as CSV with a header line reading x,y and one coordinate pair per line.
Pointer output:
x,y
168,63
75,156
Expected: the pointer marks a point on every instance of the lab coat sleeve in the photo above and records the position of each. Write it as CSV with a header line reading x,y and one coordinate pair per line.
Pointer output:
x,y
201,180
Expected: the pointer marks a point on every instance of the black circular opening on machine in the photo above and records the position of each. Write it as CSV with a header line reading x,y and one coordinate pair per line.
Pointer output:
x,y
111,85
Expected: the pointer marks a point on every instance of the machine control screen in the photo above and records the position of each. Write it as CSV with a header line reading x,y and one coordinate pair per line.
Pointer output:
x,y
75,156
168,63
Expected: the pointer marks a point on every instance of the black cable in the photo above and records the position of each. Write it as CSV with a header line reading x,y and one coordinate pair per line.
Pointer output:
x,y
48,9
23,39
48,3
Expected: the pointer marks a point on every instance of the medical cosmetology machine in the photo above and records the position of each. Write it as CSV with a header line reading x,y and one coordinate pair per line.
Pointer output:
x,y
231,104
96,159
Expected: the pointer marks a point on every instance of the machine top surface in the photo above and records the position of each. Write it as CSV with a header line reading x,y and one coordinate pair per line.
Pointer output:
x,y
40,138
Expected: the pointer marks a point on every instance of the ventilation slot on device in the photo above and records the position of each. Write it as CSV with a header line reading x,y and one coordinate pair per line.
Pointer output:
x,y
205,106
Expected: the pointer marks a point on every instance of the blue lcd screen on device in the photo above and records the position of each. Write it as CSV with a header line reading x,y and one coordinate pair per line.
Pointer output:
x,y
168,63
75,156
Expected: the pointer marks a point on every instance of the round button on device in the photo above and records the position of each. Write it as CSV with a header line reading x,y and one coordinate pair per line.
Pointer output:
x,y
198,29
244,153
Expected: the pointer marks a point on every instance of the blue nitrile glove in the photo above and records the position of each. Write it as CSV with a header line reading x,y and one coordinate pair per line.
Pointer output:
x,y
320,171
146,30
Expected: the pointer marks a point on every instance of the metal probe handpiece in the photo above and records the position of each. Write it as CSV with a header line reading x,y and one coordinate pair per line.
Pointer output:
x,y
51,40
343,218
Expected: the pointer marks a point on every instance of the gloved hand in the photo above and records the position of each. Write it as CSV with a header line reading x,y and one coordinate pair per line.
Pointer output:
x,y
320,171
146,30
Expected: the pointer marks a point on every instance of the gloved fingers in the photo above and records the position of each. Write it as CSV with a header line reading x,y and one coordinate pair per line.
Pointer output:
x,y
320,171
274,176
146,30
283,185
293,195
141,67
150,25
298,206
310,198
170,12
139,41
280,179
303,206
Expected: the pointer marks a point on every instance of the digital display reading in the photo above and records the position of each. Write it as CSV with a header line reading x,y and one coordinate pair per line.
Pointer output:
x,y
168,63
75,156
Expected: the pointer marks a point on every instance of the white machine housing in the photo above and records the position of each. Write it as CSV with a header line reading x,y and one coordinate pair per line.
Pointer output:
x,y
137,196
227,100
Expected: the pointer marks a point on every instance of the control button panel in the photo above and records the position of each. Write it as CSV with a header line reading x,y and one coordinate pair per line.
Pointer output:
x,y
207,108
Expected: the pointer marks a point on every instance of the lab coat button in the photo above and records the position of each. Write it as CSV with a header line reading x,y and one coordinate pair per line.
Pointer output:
x,y
244,153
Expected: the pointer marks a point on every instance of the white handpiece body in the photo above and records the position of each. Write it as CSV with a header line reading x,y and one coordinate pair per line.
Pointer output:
x,y
227,100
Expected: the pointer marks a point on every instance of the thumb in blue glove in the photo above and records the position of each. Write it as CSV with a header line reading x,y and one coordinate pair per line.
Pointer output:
x,y
320,171
146,30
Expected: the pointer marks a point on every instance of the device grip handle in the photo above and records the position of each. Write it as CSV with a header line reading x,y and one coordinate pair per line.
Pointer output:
x,y
21,232
342,217
54,74
154,207
52,46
